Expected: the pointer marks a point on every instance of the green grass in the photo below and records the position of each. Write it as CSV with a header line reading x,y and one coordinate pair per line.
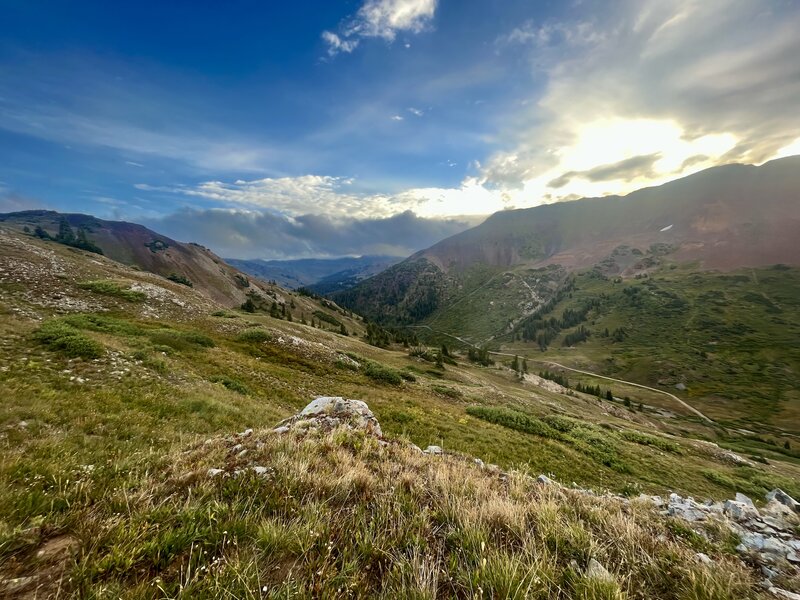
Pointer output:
x,y
113,288
66,339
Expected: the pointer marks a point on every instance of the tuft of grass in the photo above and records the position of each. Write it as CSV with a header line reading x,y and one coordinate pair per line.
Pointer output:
x,y
254,336
644,439
62,337
382,374
108,287
232,384
181,340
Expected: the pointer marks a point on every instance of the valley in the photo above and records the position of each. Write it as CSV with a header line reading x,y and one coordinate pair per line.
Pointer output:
x,y
112,381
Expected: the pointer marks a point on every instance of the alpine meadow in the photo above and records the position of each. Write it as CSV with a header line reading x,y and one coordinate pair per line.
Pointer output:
x,y
414,299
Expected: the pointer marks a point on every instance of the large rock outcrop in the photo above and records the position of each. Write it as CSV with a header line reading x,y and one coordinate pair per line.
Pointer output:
x,y
328,412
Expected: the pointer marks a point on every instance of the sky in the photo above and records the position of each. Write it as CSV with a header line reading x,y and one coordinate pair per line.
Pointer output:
x,y
268,129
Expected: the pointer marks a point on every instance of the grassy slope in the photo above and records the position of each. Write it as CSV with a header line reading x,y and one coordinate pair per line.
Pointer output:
x,y
730,338
88,444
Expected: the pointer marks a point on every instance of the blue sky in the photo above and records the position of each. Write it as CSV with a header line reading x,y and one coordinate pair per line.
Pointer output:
x,y
267,129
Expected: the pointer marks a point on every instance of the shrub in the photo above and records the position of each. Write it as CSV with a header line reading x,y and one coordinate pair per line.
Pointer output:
x,y
650,440
447,391
177,278
113,288
254,336
60,336
232,384
382,374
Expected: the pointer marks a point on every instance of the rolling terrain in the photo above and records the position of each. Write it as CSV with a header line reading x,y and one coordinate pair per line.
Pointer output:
x,y
135,245
692,284
124,391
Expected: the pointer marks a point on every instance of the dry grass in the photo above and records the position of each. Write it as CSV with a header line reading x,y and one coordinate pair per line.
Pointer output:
x,y
342,515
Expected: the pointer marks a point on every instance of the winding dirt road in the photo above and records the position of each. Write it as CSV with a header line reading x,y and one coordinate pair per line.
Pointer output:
x,y
683,403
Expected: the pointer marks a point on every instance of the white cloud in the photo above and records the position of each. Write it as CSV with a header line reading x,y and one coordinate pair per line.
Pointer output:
x,y
338,198
396,118
697,83
337,44
380,19
416,111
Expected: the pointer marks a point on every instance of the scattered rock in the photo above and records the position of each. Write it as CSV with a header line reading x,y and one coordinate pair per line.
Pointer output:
x,y
433,450
544,480
215,472
744,499
595,570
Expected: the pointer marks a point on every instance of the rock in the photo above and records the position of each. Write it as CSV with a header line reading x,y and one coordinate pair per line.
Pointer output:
x,y
783,594
480,463
744,499
780,513
246,433
261,471
767,572
739,511
704,558
784,498
433,450
281,429
681,387
544,480
17,585
793,557
595,570
328,412
215,472
686,509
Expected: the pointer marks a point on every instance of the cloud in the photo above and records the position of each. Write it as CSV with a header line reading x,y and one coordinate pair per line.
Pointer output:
x,y
258,234
340,197
699,83
626,170
416,111
380,19
337,44
396,118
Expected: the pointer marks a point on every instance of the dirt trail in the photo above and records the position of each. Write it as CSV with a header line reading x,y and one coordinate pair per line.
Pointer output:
x,y
683,403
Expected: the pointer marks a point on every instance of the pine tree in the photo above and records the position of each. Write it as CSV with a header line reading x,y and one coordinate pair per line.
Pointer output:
x,y
248,306
524,366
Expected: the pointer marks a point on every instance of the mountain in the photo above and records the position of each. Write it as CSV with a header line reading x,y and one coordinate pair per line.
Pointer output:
x,y
141,455
135,245
330,274
722,218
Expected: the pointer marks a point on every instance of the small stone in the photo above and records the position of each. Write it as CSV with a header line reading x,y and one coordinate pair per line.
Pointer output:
x,y
246,433
242,454
595,570
259,470
793,557
480,463
433,450
704,558
215,472
544,480
767,572
281,429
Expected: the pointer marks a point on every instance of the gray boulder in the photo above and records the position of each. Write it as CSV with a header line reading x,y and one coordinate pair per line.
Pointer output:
x,y
328,412
784,498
